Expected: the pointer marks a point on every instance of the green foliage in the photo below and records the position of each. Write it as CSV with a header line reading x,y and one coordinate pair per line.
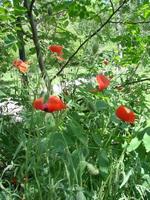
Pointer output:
x,y
84,152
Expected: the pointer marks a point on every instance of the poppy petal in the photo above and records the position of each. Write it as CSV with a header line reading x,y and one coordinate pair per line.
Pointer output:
x,y
38,104
60,58
56,49
22,66
125,114
103,82
55,104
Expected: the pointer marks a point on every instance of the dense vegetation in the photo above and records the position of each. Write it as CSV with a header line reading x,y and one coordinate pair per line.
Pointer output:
x,y
77,146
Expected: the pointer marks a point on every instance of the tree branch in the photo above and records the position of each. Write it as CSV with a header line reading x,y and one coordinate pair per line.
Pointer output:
x,y
31,5
133,82
36,42
128,22
112,5
87,39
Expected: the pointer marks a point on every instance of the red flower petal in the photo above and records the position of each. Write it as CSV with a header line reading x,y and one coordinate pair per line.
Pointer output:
x,y
103,82
38,104
60,58
22,66
125,114
55,104
56,49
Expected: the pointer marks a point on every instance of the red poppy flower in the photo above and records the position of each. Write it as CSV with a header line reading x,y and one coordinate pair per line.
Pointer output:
x,y
22,66
53,104
38,104
56,49
125,114
103,82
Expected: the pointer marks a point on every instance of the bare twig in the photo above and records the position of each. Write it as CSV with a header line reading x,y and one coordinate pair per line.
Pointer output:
x,y
112,5
87,39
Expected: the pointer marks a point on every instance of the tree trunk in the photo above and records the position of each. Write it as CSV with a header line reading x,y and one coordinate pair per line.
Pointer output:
x,y
33,25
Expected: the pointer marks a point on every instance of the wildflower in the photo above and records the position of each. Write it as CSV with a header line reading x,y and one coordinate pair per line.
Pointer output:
x,y
125,114
38,104
53,104
103,82
56,49
22,66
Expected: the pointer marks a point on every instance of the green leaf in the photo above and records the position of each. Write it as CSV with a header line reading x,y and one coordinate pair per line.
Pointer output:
x,y
19,11
126,178
18,150
80,196
76,129
134,144
146,141
95,48
100,105
103,162
10,40
57,142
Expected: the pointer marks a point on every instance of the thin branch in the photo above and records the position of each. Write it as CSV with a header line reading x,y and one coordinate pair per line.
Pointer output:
x,y
87,39
138,81
112,5
136,68
31,5
128,22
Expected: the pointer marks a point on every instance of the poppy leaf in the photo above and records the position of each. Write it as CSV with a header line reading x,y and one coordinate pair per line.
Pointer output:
x,y
134,144
80,196
146,141
75,128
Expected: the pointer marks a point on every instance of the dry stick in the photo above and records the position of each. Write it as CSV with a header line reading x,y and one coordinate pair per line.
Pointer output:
x,y
36,41
92,35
